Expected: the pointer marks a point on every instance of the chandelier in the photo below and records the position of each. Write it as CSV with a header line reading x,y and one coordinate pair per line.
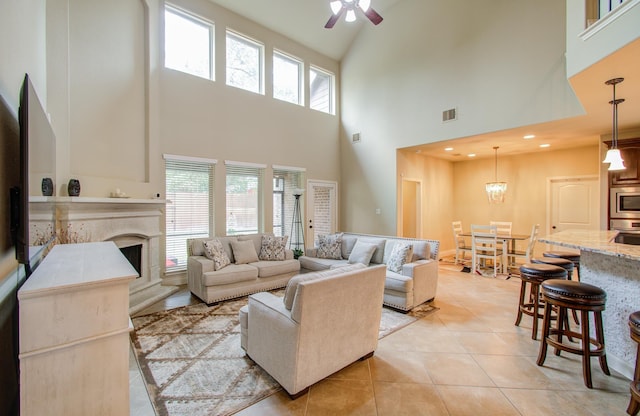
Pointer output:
x,y
496,190
613,155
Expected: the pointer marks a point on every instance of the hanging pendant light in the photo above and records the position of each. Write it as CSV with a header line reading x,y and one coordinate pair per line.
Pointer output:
x,y
613,156
496,190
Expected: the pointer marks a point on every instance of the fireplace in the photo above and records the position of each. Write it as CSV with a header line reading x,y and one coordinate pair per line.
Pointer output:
x,y
134,255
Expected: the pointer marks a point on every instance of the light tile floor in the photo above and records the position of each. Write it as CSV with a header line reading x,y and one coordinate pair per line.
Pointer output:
x,y
468,358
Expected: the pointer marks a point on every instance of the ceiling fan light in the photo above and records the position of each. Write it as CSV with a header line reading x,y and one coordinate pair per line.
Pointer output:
x,y
335,6
351,16
364,5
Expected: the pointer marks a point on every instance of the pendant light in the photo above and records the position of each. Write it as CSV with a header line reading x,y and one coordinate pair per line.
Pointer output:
x,y
496,190
613,154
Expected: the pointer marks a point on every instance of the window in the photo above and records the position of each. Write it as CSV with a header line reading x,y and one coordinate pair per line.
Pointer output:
x,y
244,198
188,43
287,182
244,63
321,87
287,74
189,187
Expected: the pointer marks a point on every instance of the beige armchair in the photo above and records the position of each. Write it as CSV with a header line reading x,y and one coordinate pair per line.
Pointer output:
x,y
333,321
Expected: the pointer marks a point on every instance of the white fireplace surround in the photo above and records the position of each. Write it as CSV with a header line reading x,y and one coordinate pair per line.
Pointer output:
x,y
126,222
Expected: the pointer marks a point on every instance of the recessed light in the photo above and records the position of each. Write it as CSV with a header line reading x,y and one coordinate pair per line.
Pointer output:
x,y
471,155
545,145
529,136
448,149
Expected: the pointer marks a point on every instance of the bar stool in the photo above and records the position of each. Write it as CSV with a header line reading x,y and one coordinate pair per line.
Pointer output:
x,y
534,275
569,294
568,255
634,329
565,264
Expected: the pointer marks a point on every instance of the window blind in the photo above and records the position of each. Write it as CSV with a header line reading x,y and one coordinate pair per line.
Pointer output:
x,y
244,197
190,186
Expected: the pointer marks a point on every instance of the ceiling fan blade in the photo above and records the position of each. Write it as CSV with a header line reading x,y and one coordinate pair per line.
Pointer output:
x,y
373,16
333,19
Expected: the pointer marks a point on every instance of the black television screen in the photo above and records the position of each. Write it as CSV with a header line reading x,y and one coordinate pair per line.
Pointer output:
x,y
35,227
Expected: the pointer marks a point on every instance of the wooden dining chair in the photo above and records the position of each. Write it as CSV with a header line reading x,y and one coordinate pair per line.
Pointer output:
x,y
460,242
502,227
517,257
485,246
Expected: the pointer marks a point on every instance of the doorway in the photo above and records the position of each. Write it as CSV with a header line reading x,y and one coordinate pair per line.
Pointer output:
x,y
574,203
322,210
411,207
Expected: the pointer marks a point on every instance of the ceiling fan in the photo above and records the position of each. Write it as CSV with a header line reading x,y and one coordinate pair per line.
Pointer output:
x,y
338,7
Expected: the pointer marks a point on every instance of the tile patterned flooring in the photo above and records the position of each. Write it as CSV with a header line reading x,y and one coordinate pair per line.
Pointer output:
x,y
468,358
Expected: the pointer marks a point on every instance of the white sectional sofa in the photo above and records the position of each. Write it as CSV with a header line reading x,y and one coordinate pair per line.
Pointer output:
x,y
241,277
413,284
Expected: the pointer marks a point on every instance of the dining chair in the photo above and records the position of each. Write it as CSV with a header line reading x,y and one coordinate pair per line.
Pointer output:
x,y
459,240
524,255
485,246
502,227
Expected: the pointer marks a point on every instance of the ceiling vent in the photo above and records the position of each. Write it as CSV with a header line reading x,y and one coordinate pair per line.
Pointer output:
x,y
449,115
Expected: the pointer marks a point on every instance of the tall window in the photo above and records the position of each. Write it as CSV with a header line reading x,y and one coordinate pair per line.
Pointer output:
x,y
190,188
287,182
188,43
321,89
287,75
244,198
244,63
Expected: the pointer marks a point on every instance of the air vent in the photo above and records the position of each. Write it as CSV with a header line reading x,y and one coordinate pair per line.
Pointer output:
x,y
449,115
355,138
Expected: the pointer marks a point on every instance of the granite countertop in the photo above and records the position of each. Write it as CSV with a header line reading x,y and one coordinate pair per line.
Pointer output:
x,y
595,241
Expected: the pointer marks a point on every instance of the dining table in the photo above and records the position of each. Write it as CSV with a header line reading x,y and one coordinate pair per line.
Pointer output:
x,y
508,244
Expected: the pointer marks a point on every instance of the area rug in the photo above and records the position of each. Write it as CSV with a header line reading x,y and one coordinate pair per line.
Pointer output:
x,y
193,365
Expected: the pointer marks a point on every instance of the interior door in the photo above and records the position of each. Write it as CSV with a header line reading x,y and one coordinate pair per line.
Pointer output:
x,y
574,204
322,210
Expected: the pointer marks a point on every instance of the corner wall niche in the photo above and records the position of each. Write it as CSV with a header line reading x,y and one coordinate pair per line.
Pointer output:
x,y
126,222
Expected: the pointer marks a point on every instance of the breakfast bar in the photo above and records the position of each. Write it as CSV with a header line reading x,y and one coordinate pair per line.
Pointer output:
x,y
615,268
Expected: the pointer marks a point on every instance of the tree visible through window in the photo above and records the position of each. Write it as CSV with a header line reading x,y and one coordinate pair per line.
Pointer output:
x,y
188,43
286,78
244,63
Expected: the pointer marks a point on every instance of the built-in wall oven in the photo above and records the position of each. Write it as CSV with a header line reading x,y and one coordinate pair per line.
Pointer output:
x,y
624,202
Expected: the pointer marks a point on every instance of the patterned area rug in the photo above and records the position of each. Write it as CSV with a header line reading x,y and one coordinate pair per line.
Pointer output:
x,y
193,364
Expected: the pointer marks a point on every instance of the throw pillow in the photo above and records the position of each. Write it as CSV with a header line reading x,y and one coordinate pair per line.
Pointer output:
x,y
244,251
330,246
362,253
272,247
214,251
400,255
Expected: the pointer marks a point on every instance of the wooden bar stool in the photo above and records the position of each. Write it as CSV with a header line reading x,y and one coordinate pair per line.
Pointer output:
x,y
634,329
534,275
569,294
568,255
565,264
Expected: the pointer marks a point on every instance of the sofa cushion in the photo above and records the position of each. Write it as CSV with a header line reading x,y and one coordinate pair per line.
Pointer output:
x,y
330,246
362,253
292,286
226,245
272,247
421,251
378,255
401,254
197,247
255,238
316,264
348,242
214,251
270,268
244,251
233,273
398,282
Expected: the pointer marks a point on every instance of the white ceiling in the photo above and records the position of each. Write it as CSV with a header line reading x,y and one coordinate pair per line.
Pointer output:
x,y
304,20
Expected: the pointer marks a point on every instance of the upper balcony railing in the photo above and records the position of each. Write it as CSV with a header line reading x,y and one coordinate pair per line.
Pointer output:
x,y
597,9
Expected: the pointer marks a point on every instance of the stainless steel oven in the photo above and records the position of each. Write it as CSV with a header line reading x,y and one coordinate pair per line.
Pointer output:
x,y
629,230
624,202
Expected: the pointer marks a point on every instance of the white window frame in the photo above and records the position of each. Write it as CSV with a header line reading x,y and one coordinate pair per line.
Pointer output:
x,y
251,170
250,42
332,90
300,64
196,20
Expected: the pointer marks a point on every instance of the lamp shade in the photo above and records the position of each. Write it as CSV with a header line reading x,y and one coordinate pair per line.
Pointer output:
x,y
335,6
614,159
350,17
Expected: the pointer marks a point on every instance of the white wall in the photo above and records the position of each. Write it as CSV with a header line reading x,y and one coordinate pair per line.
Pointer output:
x,y
491,59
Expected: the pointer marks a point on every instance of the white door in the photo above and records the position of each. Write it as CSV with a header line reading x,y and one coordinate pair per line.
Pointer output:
x,y
574,204
322,210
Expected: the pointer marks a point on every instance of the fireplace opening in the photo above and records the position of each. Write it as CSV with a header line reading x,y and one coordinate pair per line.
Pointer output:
x,y
134,255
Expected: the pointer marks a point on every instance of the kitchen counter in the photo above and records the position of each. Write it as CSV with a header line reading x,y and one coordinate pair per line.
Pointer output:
x,y
615,268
